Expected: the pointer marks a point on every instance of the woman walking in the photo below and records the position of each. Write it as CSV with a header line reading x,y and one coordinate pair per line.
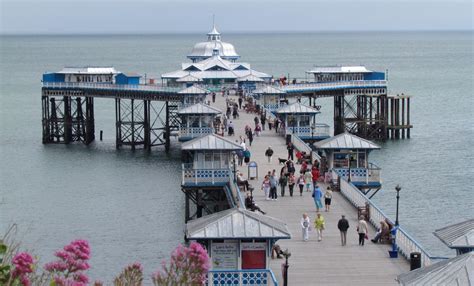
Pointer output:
x,y
305,221
301,184
327,198
362,230
291,183
283,181
266,187
319,226
247,156
317,194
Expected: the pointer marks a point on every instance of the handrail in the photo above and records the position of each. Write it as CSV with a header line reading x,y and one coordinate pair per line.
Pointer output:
x,y
226,273
406,243
238,194
332,85
111,86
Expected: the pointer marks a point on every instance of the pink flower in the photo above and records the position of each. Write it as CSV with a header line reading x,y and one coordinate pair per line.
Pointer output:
x,y
72,261
23,263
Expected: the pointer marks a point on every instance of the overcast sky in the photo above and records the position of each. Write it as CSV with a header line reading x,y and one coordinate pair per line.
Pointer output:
x,y
187,16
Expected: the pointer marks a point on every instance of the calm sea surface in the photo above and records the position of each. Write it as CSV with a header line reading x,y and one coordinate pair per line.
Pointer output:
x,y
129,205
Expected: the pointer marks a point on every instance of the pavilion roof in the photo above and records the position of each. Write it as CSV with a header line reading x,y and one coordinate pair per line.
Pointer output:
x,y
210,142
199,108
297,108
346,141
459,235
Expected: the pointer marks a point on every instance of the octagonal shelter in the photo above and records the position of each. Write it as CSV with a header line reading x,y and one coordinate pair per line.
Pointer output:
x,y
348,156
239,243
300,120
197,120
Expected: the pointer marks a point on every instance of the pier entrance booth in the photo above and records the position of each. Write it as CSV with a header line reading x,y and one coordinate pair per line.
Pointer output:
x,y
197,120
269,97
300,120
239,243
249,82
207,174
348,158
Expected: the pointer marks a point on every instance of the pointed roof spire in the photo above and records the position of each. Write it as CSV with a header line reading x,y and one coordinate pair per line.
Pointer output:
x,y
214,30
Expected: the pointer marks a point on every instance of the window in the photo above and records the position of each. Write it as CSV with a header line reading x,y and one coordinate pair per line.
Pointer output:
x,y
217,160
340,160
194,121
362,162
305,120
208,160
291,121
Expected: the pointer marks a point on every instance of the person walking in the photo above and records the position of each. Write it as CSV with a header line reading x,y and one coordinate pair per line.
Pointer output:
x,y
230,128
277,124
301,184
308,180
250,136
256,120
283,181
270,124
213,97
263,118
317,194
291,183
319,226
273,186
291,150
362,230
247,155
240,156
269,154
328,198
240,102
266,187
305,223
315,173
343,226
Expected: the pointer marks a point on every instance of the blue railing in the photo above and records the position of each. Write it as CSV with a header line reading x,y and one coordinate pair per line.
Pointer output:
x,y
406,243
250,277
111,86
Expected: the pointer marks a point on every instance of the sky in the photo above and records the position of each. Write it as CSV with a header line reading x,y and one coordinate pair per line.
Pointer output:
x,y
188,16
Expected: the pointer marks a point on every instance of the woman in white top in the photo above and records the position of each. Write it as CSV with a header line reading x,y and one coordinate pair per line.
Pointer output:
x,y
305,223
363,230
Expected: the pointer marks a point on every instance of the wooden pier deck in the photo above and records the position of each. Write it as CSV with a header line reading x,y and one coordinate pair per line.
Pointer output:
x,y
313,262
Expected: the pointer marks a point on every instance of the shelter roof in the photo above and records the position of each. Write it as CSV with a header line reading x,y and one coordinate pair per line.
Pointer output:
x,y
210,142
457,235
346,141
340,69
189,78
236,223
88,70
250,77
199,108
297,108
455,271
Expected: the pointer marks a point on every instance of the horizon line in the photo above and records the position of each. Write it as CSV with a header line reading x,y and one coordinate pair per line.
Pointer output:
x,y
236,32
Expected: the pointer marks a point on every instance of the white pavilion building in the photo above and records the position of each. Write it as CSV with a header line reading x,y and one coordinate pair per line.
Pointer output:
x,y
213,62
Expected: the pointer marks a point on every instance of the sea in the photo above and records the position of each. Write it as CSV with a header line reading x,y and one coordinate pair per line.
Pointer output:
x,y
128,204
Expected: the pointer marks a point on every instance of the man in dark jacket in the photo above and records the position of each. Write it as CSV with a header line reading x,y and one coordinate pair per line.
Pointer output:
x,y
343,226
269,154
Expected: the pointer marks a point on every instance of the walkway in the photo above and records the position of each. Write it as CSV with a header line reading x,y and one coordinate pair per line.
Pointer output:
x,y
313,262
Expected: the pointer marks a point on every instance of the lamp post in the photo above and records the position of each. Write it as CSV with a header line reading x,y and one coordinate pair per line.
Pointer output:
x,y
398,189
286,254
313,127
350,159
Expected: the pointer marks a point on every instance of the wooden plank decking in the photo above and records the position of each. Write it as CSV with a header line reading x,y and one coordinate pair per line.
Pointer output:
x,y
313,262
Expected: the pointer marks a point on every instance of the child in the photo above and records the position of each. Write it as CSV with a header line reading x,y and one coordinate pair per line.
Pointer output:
x,y
305,226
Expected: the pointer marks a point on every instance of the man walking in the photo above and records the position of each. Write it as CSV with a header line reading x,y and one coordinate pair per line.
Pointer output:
x,y
291,150
273,186
269,154
343,226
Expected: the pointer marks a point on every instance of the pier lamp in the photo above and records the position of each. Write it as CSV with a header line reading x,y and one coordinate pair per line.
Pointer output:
x,y
234,166
350,159
313,127
287,255
398,189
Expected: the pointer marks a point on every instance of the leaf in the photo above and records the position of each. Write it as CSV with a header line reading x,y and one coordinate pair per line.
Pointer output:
x,y
52,283
3,248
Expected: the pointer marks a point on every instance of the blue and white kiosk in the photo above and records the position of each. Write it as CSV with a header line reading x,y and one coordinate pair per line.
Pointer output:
x,y
269,97
348,156
239,243
300,120
197,120
193,94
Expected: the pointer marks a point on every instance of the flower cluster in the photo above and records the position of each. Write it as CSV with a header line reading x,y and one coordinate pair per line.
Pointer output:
x,y
68,269
132,275
23,263
188,266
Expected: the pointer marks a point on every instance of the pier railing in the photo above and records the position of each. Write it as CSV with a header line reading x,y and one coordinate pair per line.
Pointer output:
x,y
192,132
250,277
320,130
304,147
192,175
237,195
111,86
361,175
406,243
312,86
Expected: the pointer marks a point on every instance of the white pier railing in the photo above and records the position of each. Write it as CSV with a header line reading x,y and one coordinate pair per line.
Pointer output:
x,y
191,175
320,130
193,132
111,86
314,86
406,243
372,174
250,277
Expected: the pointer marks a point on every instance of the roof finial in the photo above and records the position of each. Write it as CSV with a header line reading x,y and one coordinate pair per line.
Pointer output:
x,y
213,21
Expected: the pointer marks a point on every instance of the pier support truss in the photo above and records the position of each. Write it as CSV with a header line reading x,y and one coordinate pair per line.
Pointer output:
x,y
145,123
68,119
204,201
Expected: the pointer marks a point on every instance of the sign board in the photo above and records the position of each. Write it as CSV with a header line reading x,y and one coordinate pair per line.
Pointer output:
x,y
252,170
224,255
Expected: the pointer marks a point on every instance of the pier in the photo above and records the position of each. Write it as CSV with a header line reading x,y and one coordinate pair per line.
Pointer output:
x,y
313,262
